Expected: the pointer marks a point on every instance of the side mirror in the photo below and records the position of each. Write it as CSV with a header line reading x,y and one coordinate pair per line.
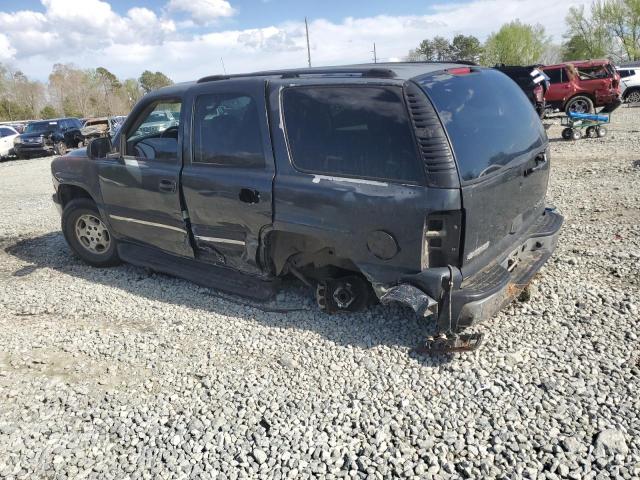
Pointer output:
x,y
99,147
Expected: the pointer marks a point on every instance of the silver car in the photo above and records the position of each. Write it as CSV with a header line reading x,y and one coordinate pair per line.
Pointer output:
x,y
630,83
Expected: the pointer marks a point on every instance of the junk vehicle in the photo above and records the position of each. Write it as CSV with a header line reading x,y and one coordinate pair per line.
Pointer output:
x,y
533,82
381,182
581,86
48,137
100,127
7,135
630,83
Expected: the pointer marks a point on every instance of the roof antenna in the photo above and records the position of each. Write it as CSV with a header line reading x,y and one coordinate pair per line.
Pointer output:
x,y
224,70
306,26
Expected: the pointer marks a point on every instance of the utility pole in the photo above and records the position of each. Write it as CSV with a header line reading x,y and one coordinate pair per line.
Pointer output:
x,y
375,56
223,69
306,26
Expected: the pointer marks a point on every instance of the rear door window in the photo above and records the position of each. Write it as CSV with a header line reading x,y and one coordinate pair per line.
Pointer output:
x,y
555,75
489,120
351,131
227,131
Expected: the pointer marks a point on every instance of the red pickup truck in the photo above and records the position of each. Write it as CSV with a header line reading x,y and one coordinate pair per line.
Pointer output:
x,y
583,85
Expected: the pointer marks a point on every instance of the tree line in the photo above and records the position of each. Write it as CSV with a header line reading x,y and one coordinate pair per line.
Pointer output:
x,y
609,29
72,92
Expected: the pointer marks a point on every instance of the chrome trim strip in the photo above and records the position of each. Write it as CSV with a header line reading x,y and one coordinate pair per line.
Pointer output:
x,y
220,240
151,224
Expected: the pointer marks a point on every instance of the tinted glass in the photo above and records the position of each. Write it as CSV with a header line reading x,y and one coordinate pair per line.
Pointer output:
x,y
41,127
555,75
625,73
489,120
5,132
226,131
155,139
355,131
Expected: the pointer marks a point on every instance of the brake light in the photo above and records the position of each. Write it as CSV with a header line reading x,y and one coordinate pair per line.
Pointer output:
x,y
459,71
538,92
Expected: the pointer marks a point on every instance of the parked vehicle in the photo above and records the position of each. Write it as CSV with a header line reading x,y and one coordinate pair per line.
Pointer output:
x,y
630,83
48,137
7,135
582,86
385,181
101,127
533,82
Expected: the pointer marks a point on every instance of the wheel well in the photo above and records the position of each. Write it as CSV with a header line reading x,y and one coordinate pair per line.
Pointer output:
x,y
588,95
630,90
310,255
66,193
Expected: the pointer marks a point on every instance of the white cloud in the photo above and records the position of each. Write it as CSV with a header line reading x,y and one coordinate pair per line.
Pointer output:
x,y
141,39
202,12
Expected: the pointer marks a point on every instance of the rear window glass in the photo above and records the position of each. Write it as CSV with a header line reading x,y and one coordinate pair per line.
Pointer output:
x,y
357,131
555,75
488,118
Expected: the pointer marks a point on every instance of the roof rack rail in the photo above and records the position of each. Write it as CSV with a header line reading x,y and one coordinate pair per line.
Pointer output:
x,y
366,72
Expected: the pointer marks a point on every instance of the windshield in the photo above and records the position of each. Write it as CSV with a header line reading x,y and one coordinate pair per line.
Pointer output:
x,y
159,117
40,127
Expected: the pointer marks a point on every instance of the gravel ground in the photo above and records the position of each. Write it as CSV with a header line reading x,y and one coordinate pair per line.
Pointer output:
x,y
123,373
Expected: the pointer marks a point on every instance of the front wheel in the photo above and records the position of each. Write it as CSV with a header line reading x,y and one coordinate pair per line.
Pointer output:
x,y
60,148
566,133
87,235
601,131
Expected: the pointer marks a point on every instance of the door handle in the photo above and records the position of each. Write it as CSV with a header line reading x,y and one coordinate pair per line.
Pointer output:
x,y
167,186
248,195
541,161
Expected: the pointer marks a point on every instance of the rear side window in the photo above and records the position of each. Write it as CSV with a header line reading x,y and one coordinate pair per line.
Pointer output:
x,y
490,121
555,75
356,131
227,131
625,73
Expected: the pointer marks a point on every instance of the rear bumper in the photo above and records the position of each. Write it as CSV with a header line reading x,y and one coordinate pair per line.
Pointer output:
x,y
479,297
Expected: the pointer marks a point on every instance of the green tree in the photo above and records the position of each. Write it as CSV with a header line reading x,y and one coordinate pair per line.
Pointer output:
x,y
466,47
515,43
152,81
622,20
587,36
48,112
132,91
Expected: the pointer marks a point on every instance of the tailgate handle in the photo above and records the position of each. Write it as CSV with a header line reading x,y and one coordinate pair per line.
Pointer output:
x,y
541,161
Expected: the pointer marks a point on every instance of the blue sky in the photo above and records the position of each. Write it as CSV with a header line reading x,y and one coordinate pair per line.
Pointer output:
x,y
188,38
258,13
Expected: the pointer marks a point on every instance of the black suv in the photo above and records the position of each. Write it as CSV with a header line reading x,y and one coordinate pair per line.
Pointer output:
x,y
48,137
419,183
533,82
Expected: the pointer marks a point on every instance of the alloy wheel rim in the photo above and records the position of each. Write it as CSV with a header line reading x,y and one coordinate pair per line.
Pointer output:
x,y
92,234
580,106
633,97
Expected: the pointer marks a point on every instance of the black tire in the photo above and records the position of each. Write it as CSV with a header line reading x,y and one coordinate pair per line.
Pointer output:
x,y
632,96
601,132
576,134
566,133
60,148
71,216
591,132
579,104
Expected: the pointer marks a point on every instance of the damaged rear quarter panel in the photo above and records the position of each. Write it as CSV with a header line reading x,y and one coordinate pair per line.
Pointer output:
x,y
343,212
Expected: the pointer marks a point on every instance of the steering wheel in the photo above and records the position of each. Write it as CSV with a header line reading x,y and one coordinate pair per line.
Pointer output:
x,y
170,129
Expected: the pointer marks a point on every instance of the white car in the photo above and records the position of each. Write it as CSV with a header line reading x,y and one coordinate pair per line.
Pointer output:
x,y
630,83
7,134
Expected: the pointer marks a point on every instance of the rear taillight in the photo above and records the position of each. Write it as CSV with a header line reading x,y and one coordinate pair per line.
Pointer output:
x,y
459,71
538,92
442,239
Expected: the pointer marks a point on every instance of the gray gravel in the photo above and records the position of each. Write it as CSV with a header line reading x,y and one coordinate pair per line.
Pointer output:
x,y
123,373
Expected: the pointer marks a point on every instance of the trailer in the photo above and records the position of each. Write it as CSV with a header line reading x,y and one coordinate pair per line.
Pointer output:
x,y
593,124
